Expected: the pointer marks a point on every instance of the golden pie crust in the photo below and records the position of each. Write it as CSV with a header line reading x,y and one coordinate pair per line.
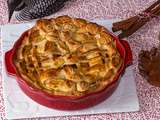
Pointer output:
x,y
68,56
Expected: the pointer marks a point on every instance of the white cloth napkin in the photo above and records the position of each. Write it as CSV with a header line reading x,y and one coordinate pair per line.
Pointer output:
x,y
18,105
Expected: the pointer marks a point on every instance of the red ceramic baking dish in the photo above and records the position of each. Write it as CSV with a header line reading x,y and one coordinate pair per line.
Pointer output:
x,y
63,102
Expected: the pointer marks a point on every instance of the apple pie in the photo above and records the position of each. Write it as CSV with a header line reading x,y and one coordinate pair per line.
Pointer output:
x,y
68,56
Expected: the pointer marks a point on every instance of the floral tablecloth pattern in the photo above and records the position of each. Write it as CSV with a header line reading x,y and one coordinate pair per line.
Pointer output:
x,y
145,38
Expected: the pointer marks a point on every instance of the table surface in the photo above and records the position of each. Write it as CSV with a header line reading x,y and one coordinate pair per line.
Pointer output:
x,y
145,38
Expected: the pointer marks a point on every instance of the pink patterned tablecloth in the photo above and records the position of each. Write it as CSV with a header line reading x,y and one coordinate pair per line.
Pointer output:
x,y
145,38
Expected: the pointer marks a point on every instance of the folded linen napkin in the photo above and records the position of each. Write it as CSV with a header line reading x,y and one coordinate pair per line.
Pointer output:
x,y
32,9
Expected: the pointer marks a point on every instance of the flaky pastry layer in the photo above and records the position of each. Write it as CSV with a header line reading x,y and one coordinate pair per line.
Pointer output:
x,y
68,56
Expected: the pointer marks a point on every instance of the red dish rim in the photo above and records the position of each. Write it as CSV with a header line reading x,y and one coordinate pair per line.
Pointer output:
x,y
61,97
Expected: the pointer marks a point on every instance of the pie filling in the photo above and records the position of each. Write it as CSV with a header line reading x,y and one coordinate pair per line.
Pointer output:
x,y
68,56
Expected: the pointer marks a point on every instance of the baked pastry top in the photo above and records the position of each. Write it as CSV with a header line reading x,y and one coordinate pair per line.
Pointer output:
x,y
68,56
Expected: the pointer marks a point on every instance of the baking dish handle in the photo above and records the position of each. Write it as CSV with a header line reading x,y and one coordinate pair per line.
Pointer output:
x,y
8,62
128,57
